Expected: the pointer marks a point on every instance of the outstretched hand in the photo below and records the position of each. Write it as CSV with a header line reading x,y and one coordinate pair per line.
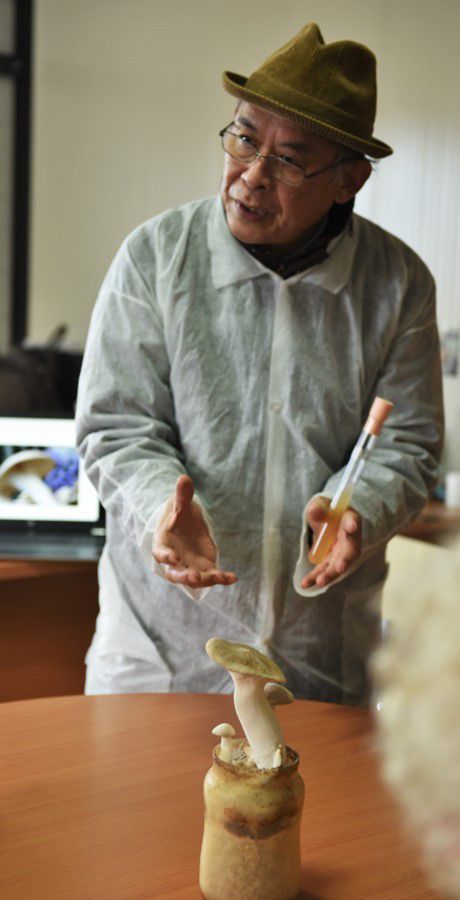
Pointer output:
x,y
345,550
183,544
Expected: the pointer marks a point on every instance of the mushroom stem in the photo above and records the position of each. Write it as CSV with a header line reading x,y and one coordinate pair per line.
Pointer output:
x,y
225,732
257,719
33,485
226,749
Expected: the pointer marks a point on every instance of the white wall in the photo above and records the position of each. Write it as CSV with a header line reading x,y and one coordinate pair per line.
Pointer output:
x,y
128,104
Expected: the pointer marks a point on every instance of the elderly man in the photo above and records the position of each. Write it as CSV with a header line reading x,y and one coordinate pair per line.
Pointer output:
x,y
235,349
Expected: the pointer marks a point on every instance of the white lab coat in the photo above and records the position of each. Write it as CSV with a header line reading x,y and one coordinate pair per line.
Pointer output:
x,y
201,360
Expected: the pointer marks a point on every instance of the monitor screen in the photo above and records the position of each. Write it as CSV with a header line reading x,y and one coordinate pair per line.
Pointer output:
x,y
41,475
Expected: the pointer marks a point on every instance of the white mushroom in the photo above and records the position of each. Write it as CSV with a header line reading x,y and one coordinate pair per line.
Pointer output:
x,y
24,471
225,732
250,671
277,694
277,757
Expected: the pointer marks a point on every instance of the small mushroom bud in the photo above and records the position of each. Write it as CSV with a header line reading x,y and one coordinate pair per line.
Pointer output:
x,y
277,757
225,732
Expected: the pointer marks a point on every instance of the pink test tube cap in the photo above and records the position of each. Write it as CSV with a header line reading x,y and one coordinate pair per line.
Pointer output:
x,y
377,415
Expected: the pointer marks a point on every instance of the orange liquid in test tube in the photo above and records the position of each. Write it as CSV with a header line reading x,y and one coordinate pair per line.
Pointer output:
x,y
326,538
328,533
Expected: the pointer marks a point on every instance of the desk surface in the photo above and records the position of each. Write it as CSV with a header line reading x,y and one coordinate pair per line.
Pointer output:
x,y
101,797
25,569
436,524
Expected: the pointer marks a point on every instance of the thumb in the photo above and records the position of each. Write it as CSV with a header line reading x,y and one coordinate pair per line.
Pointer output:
x,y
183,493
316,512
351,522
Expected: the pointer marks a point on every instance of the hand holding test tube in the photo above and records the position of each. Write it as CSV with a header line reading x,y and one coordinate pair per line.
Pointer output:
x,y
327,535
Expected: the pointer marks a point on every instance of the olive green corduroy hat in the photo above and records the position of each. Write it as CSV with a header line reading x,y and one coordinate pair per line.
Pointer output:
x,y
327,88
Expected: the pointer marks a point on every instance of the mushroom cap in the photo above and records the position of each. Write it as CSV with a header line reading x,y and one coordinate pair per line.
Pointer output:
x,y
224,730
243,659
26,461
276,694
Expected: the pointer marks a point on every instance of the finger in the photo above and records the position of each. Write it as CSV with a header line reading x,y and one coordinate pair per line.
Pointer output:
x,y
347,552
336,567
309,580
348,546
194,579
230,578
217,576
184,492
164,555
350,522
181,575
324,573
316,512
208,572
325,577
342,565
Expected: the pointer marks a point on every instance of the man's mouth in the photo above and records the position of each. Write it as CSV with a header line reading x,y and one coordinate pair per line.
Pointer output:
x,y
248,211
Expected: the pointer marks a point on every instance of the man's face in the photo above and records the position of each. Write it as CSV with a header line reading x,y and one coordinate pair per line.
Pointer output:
x,y
261,210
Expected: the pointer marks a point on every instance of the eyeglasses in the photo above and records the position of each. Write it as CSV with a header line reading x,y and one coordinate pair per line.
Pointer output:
x,y
241,148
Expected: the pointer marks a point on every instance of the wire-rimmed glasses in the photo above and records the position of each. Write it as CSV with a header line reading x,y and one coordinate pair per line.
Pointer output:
x,y
241,148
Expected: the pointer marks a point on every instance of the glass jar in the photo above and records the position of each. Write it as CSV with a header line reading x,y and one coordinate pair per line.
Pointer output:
x,y
251,839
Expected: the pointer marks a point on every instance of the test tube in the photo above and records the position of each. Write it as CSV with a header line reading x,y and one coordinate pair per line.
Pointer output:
x,y
342,497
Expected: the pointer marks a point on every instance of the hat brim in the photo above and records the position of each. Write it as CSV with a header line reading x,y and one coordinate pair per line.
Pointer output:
x,y
236,85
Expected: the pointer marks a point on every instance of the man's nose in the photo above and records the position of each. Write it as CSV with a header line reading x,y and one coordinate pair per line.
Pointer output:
x,y
257,174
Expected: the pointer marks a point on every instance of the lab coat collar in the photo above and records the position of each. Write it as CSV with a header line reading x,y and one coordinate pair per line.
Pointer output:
x,y
231,263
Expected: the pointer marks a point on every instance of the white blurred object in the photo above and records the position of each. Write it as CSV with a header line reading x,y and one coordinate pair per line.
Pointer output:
x,y
451,455
452,498
405,556
417,676
450,350
67,494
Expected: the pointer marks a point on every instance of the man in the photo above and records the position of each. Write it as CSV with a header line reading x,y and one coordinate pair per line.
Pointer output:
x,y
235,349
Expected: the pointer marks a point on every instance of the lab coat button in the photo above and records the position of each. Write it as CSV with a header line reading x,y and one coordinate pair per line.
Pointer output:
x,y
275,407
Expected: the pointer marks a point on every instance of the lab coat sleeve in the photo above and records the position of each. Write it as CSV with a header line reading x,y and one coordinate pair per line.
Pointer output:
x,y
404,465
126,429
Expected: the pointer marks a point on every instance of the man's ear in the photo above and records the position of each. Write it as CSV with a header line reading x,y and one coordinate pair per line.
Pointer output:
x,y
352,175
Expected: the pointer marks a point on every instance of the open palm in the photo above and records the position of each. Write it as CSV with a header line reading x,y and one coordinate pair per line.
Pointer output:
x,y
183,544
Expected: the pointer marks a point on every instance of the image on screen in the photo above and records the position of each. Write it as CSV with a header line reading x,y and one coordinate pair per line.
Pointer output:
x,y
41,475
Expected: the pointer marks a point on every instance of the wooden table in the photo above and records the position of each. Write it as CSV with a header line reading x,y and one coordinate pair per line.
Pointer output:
x,y
47,615
436,524
101,797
